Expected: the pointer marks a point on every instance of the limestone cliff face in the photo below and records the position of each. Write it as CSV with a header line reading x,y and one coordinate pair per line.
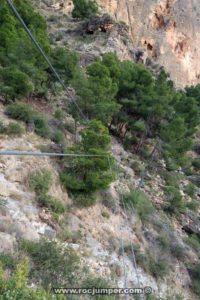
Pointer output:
x,y
167,29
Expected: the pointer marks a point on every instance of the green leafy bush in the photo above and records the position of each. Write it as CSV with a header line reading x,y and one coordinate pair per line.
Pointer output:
x,y
41,126
2,128
20,111
40,181
175,203
51,265
16,286
24,112
158,267
190,189
14,129
84,199
58,137
140,202
196,163
177,251
84,9
194,241
59,115
51,203
99,283
164,241
195,275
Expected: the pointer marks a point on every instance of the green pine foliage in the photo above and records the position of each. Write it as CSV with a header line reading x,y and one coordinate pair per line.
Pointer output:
x,y
84,9
87,175
23,70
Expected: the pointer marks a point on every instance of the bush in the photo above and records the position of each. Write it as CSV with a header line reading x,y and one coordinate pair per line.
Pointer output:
x,y
195,274
58,137
40,181
196,163
84,199
177,251
84,9
175,203
140,201
158,268
193,205
190,189
14,129
20,111
16,287
7,261
171,178
52,265
51,203
41,126
193,241
164,241
2,128
24,112
59,115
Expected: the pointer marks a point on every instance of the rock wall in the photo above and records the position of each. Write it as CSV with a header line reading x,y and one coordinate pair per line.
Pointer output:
x,y
167,29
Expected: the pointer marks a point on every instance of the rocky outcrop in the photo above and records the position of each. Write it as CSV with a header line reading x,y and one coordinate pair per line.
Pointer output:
x,y
168,30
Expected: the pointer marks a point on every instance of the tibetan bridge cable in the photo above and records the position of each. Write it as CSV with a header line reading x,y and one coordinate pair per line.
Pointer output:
x,y
30,153
57,76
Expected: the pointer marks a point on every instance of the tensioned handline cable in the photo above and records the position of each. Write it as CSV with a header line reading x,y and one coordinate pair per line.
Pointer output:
x,y
16,13
30,153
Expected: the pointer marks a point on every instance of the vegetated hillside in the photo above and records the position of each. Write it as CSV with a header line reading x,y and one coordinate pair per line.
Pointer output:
x,y
75,222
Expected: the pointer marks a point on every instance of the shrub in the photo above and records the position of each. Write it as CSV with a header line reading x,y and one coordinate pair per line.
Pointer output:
x,y
175,203
158,268
140,201
52,265
14,129
195,274
84,9
194,241
20,111
177,251
59,115
2,128
84,199
164,241
41,126
7,261
51,203
40,181
193,205
171,179
99,283
15,286
190,189
58,137
24,112
196,163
